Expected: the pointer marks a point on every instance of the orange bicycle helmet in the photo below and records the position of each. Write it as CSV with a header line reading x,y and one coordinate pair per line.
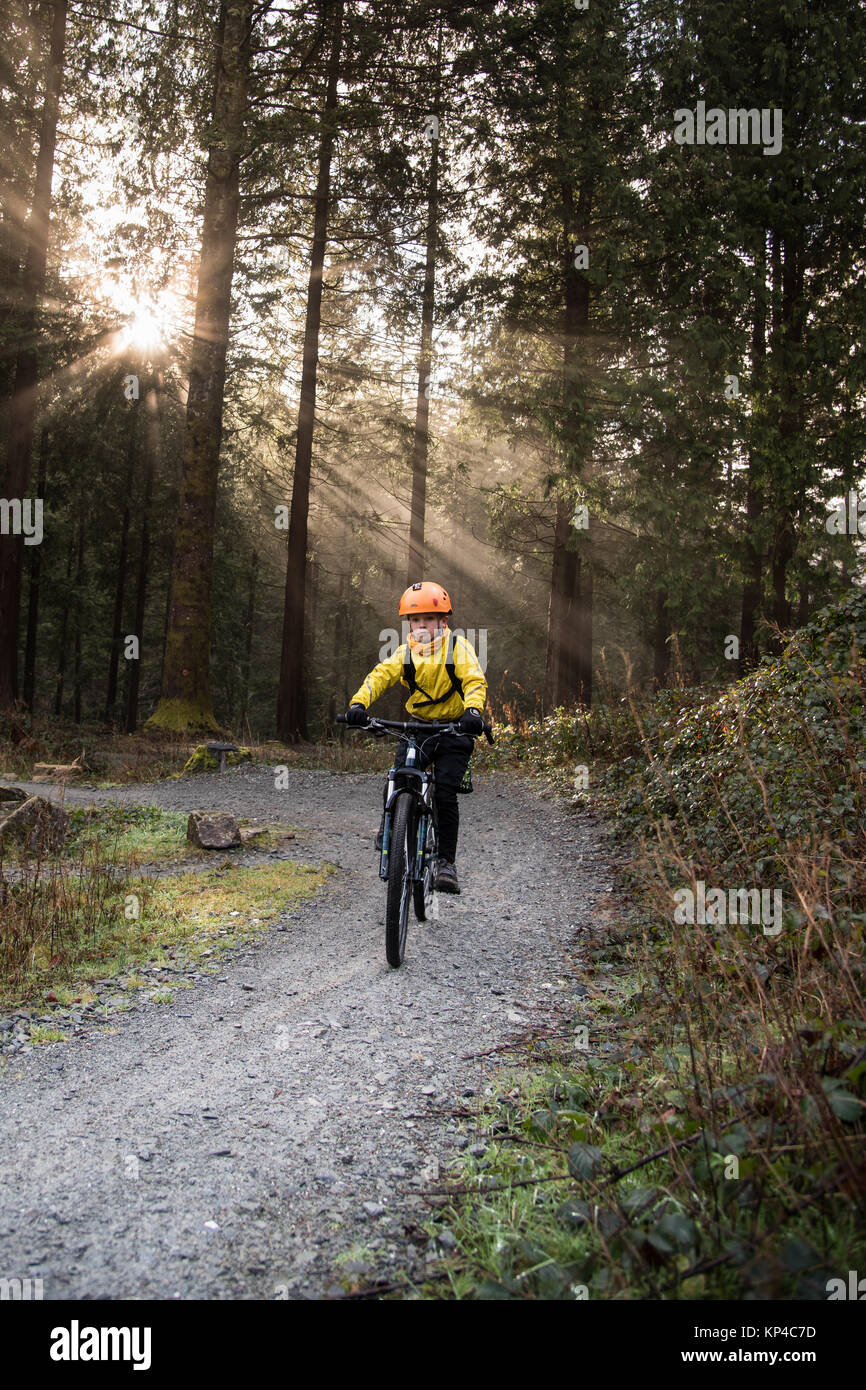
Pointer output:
x,y
424,597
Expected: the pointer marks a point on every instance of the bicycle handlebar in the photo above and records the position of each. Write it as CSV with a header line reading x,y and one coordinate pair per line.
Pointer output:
x,y
429,726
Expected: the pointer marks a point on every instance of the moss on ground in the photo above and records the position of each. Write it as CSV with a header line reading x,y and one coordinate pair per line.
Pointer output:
x,y
182,716
182,918
203,760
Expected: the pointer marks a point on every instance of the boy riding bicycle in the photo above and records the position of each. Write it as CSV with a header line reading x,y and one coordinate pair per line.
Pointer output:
x,y
445,681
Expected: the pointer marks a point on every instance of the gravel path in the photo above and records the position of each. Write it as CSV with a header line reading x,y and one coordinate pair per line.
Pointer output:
x,y
235,1143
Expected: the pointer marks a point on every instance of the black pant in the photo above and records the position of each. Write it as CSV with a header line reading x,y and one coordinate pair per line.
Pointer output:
x,y
450,753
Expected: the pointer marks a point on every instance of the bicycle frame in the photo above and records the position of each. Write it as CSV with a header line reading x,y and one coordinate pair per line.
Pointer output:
x,y
403,878
420,783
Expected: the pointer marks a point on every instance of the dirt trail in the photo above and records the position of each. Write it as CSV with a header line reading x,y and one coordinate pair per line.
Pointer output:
x,y
235,1143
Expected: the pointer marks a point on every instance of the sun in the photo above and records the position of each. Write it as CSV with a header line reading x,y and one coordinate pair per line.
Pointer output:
x,y
146,331
149,328
148,322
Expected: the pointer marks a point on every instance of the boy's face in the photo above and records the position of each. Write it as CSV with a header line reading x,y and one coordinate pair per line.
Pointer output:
x,y
425,626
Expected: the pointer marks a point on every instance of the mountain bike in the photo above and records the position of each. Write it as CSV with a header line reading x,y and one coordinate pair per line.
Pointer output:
x,y
410,828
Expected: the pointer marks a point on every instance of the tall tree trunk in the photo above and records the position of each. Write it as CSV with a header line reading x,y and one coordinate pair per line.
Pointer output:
x,y
751,603
421,443
783,553
122,560
754,559
140,603
166,616
338,652
185,700
79,622
584,626
568,674
291,697
249,624
792,483
561,673
23,405
33,589
64,623
16,169
803,603
661,633
311,612
151,446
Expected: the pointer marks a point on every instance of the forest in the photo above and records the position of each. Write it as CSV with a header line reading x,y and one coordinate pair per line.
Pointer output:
x,y
555,303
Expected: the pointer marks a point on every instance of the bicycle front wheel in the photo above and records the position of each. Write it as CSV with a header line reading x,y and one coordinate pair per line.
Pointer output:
x,y
399,888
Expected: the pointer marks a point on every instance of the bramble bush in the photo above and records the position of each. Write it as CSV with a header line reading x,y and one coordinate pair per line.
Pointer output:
x,y
714,1148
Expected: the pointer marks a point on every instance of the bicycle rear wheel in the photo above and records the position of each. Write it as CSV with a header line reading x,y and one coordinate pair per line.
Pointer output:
x,y
399,888
423,892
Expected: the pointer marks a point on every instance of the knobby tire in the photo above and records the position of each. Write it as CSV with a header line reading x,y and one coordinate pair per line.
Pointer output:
x,y
423,892
400,858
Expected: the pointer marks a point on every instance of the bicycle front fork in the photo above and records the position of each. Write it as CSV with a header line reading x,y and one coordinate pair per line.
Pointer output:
x,y
420,844
423,823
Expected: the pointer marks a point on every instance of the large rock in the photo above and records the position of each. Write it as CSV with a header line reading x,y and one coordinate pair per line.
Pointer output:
x,y
212,830
250,833
35,823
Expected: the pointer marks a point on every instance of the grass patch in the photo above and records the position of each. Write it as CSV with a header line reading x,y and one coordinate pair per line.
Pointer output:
x,y
41,1034
130,835
74,925
602,1181
148,835
198,911
137,834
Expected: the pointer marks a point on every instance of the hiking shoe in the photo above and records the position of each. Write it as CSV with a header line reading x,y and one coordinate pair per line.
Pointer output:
x,y
446,877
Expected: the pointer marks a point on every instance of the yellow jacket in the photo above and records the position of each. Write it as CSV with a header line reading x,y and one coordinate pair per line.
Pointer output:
x,y
431,679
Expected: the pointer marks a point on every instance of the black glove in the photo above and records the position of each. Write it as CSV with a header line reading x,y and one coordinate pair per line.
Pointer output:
x,y
357,714
470,722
